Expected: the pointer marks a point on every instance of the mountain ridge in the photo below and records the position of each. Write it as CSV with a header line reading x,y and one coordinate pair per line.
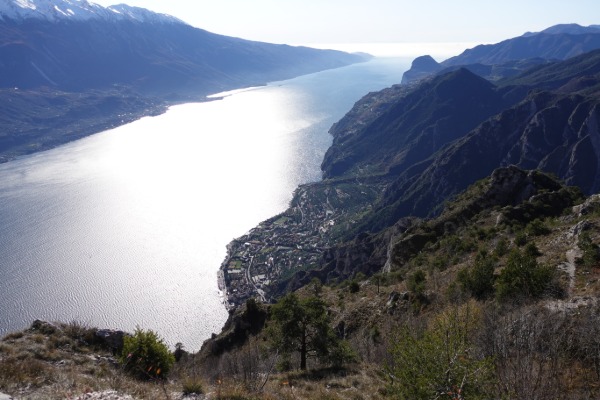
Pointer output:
x,y
558,42
149,60
80,10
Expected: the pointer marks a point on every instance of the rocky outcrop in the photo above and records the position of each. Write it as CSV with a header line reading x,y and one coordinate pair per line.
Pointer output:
x,y
242,323
420,68
521,195
589,206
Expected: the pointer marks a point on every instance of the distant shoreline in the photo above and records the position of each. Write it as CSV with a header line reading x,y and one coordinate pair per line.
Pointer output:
x,y
21,139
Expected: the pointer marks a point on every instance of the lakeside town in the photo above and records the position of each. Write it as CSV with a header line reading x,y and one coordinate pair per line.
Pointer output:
x,y
289,242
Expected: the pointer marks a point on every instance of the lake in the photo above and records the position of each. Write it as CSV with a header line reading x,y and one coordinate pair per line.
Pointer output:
x,y
128,227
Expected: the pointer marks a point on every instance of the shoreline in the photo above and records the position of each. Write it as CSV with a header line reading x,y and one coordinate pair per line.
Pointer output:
x,y
21,140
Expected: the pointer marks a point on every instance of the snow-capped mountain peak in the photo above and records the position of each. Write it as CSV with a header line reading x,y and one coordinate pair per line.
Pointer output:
x,y
142,14
79,10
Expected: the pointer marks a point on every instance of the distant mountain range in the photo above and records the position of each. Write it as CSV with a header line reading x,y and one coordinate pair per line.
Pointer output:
x,y
512,56
63,10
79,45
143,58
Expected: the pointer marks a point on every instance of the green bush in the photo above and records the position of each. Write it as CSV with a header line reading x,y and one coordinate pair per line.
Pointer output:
x,y
501,247
354,286
146,356
523,277
440,362
479,279
416,282
537,227
520,238
341,353
532,250
591,251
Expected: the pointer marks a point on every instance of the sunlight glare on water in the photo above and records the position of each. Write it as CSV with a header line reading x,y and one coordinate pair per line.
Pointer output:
x,y
128,227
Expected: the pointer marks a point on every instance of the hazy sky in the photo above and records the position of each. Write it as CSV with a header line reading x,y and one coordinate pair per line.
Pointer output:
x,y
338,21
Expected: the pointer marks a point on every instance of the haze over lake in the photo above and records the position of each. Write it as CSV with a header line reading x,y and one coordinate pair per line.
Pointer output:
x,y
128,227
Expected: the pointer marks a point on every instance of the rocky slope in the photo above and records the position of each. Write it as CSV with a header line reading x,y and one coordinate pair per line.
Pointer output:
x,y
552,127
512,211
413,126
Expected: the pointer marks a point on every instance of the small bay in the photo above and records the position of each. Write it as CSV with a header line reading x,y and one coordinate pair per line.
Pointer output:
x,y
128,227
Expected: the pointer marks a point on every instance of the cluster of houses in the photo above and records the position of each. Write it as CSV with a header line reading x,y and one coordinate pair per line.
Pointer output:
x,y
275,250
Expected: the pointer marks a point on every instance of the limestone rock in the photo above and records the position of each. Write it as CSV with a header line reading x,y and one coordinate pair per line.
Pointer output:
x,y
591,205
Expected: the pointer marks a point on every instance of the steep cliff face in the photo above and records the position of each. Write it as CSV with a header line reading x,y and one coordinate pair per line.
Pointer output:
x,y
413,126
445,134
554,133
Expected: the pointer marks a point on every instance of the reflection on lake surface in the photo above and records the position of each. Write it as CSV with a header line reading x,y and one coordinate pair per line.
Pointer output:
x,y
128,227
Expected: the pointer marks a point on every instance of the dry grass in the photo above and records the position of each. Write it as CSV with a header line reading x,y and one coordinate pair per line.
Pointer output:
x,y
64,362
359,384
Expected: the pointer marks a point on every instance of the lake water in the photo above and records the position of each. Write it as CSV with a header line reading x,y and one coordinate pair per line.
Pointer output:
x,y
128,227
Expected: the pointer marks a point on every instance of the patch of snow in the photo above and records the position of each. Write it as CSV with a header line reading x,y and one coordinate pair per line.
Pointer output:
x,y
143,15
26,4
60,11
79,10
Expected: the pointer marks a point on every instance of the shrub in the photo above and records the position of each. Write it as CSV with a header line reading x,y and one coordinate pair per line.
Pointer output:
x,y
416,282
520,238
440,362
479,279
501,247
192,386
532,250
591,251
146,356
537,228
341,353
523,277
